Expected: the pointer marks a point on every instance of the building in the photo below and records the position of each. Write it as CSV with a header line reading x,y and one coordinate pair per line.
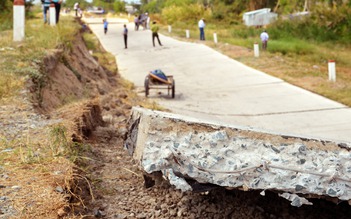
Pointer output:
x,y
259,17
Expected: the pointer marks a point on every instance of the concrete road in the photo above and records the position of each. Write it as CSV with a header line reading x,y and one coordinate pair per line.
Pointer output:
x,y
211,86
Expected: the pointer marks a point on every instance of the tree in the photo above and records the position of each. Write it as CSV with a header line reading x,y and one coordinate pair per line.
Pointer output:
x,y
5,6
119,6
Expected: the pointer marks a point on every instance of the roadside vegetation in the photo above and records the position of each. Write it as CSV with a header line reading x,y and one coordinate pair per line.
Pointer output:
x,y
41,163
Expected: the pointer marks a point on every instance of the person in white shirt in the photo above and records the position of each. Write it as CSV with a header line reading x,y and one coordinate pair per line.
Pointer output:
x,y
264,38
147,21
75,7
202,28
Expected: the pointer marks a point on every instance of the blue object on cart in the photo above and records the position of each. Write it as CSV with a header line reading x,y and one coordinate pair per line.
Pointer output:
x,y
159,73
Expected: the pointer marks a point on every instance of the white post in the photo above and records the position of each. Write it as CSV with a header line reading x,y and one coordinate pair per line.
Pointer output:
x,y
215,38
187,32
331,70
169,28
52,12
256,50
18,20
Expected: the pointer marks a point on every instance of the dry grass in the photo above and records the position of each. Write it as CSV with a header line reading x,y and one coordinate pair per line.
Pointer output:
x,y
38,175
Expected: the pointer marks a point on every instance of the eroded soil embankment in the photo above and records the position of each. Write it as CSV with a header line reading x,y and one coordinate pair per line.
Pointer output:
x,y
93,104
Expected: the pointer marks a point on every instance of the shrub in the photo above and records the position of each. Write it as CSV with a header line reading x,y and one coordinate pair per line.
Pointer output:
x,y
192,13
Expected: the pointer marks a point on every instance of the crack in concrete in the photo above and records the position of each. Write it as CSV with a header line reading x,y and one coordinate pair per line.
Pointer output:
x,y
265,114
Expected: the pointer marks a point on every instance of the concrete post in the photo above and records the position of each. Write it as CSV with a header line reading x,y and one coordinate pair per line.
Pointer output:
x,y
256,50
331,70
169,28
52,12
187,32
215,38
18,20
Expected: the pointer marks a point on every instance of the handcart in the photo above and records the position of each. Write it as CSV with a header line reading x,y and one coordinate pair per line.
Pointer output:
x,y
158,80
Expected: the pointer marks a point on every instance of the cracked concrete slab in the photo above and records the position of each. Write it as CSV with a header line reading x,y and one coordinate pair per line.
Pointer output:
x,y
185,149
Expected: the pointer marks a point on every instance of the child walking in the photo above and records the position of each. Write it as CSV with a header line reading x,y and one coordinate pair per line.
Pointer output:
x,y
125,36
105,25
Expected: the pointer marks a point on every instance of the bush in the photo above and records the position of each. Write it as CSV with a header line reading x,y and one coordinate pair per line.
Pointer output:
x,y
6,21
325,24
192,13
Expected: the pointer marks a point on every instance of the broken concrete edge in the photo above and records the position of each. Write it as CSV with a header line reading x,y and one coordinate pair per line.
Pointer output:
x,y
184,149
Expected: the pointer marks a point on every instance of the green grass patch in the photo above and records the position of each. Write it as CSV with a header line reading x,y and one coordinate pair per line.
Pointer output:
x,y
291,46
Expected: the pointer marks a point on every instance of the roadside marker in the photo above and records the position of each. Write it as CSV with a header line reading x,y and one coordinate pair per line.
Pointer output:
x,y
256,50
215,38
187,32
169,28
52,12
331,70
18,20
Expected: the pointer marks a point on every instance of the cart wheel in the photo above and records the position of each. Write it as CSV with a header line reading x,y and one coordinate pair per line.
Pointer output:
x,y
173,88
146,85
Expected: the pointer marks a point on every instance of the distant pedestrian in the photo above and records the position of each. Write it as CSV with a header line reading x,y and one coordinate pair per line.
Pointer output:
x,y
46,7
202,28
105,25
75,7
264,38
136,22
125,36
147,21
154,30
140,21
57,4
80,12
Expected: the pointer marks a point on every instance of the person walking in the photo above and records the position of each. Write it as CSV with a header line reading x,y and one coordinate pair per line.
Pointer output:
x,y
57,4
154,30
202,28
46,7
264,38
80,12
136,22
75,7
125,36
105,25
147,21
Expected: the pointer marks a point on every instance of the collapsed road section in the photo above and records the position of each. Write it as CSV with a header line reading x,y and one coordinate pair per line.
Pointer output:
x,y
194,156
